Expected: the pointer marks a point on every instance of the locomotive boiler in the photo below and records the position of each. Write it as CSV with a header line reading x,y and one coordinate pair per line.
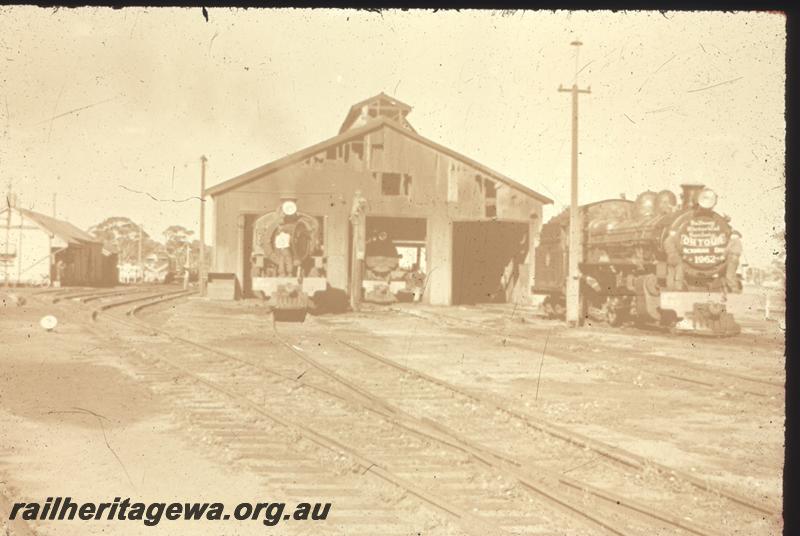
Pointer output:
x,y
649,261
286,261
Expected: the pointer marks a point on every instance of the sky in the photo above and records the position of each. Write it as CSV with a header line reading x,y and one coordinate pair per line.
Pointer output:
x,y
111,110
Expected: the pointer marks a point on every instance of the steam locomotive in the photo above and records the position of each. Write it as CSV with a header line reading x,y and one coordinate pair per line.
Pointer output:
x,y
649,261
287,263
289,266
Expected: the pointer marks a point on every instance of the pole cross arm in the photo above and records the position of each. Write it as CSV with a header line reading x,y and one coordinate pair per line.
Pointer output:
x,y
563,89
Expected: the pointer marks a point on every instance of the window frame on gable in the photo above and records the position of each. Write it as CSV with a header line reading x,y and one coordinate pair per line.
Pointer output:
x,y
394,189
395,184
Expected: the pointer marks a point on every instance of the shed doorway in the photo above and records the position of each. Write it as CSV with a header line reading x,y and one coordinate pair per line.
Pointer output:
x,y
487,256
395,258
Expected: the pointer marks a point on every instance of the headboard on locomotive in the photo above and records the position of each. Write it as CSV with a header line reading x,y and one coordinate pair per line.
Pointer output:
x,y
703,237
287,250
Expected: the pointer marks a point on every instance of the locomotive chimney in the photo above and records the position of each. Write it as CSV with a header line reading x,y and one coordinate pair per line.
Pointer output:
x,y
689,195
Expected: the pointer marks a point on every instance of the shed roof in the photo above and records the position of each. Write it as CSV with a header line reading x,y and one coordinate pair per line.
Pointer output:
x,y
63,229
372,125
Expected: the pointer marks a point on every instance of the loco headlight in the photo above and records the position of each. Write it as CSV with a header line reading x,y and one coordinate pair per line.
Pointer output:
x,y
707,199
289,208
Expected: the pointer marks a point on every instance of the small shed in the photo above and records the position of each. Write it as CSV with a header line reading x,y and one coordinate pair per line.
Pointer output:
x,y
36,249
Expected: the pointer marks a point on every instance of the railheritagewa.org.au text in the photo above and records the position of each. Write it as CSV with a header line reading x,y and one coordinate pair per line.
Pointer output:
x,y
64,508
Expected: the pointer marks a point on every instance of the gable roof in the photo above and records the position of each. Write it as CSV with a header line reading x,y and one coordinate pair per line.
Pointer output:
x,y
62,229
372,125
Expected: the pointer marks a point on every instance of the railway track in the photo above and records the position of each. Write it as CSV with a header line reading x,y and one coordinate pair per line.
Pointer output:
x,y
307,467
549,488
86,296
499,313
697,375
52,291
477,413
381,442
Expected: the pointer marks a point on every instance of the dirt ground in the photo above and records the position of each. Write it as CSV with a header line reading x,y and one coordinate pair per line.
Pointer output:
x,y
75,421
719,433
579,381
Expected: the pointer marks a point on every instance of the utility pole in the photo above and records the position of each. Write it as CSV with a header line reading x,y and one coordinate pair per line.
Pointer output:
x,y
358,220
201,275
186,266
575,256
19,252
141,266
7,258
50,243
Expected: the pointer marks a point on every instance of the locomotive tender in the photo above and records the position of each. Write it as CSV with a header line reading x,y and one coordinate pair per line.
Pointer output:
x,y
651,261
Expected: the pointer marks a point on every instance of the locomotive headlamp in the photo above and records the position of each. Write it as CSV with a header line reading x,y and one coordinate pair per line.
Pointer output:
x,y
707,199
289,208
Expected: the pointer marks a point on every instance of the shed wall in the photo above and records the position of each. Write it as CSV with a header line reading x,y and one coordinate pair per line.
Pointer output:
x,y
30,264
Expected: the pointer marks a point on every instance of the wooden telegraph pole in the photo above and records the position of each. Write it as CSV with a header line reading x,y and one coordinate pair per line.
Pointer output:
x,y
358,221
141,264
6,260
52,258
573,277
201,274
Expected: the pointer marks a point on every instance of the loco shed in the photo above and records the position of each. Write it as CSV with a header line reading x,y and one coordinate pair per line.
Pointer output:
x,y
422,221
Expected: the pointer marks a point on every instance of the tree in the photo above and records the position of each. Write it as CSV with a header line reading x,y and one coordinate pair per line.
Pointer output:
x,y
177,242
196,255
183,248
120,235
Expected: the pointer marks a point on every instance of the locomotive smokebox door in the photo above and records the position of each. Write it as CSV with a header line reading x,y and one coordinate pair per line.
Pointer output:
x,y
286,260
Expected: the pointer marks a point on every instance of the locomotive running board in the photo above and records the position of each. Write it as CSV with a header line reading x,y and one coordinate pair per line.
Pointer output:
x,y
682,302
268,285
707,313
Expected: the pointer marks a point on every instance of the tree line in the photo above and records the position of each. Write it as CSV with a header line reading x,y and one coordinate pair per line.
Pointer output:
x,y
121,235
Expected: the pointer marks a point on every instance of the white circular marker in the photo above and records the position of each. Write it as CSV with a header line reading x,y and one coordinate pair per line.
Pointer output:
x,y
289,207
707,199
48,322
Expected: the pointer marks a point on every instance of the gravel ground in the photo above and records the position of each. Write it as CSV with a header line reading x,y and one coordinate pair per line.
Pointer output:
x,y
74,422
69,405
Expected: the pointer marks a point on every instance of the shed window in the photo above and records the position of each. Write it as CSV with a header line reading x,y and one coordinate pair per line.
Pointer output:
x,y
390,184
452,185
490,190
358,148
